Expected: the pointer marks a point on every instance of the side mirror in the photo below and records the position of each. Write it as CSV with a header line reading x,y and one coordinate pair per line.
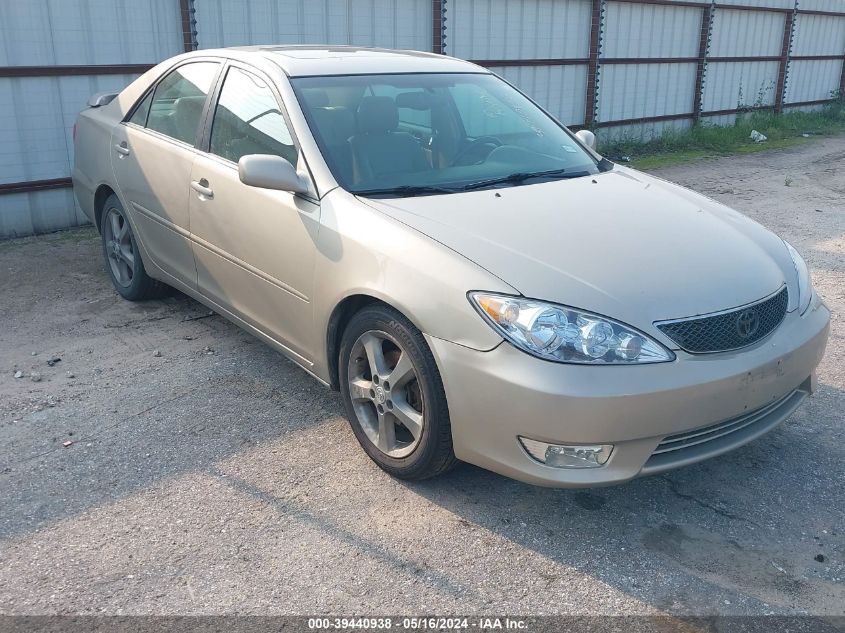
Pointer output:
x,y
587,138
101,99
270,172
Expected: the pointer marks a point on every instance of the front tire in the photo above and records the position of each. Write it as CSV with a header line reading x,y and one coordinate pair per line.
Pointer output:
x,y
394,395
123,259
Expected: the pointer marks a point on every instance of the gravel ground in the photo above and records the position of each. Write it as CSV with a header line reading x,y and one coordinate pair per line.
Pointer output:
x,y
209,475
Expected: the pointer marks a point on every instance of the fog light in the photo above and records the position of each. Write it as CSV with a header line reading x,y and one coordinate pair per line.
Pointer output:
x,y
567,456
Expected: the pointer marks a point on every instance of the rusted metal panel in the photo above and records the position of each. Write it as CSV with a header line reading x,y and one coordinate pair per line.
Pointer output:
x,y
591,97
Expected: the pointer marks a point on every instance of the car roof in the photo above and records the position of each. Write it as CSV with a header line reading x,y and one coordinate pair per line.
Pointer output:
x,y
302,61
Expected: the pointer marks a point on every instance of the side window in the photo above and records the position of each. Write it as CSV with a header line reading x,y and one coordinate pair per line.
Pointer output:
x,y
247,120
139,117
179,99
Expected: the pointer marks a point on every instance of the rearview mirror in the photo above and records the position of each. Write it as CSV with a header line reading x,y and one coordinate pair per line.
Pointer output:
x,y
587,138
270,172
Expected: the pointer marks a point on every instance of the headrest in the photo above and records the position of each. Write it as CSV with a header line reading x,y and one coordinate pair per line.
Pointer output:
x,y
317,98
377,114
418,100
187,112
189,105
336,124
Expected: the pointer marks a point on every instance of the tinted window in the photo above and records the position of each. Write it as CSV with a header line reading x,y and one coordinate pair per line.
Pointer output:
x,y
247,120
483,112
411,115
436,131
179,100
139,117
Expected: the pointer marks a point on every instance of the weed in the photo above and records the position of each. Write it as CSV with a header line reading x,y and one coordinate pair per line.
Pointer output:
x,y
705,140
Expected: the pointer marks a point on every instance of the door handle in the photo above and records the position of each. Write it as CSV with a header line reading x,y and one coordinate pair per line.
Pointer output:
x,y
202,188
122,149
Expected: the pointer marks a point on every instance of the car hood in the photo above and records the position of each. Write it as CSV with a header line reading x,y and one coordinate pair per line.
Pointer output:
x,y
621,243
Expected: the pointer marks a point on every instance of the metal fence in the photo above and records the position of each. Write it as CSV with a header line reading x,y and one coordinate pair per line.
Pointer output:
x,y
622,67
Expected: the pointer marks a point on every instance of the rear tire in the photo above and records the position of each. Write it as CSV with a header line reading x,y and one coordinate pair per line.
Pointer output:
x,y
122,257
394,395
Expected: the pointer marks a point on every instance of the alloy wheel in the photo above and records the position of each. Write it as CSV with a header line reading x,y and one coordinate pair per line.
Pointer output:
x,y
119,247
386,394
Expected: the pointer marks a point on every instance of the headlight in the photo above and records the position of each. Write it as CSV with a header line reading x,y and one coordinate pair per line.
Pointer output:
x,y
805,285
566,335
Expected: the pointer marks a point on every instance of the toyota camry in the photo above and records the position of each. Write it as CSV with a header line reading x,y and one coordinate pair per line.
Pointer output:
x,y
475,279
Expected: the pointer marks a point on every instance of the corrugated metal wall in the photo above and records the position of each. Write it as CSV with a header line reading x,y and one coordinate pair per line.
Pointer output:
x,y
37,112
527,30
384,23
816,35
657,64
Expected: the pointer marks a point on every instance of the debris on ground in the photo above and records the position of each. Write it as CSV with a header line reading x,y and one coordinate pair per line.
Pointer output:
x,y
67,443
157,354
208,350
819,558
35,377
757,137
19,374
198,316
53,360
70,374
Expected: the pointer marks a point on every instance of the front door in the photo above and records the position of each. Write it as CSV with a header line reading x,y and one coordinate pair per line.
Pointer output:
x,y
254,248
152,156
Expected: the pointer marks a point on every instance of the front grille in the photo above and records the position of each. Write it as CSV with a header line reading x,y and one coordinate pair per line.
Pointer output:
x,y
728,330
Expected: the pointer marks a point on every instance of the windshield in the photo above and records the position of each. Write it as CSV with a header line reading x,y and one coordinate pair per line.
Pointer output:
x,y
432,133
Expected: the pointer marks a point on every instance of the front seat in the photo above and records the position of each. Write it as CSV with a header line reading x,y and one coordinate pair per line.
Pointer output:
x,y
336,125
377,148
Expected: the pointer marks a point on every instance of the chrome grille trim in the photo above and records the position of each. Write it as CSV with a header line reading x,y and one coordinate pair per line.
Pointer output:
x,y
719,331
695,445
680,441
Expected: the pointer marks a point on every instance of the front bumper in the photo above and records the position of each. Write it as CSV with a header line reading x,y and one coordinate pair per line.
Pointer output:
x,y
498,395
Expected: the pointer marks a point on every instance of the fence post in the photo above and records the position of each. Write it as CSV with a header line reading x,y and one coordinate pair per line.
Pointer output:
x,y
189,39
438,40
596,28
703,48
788,33
841,94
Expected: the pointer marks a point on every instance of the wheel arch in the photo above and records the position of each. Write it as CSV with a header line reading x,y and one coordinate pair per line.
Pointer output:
x,y
340,316
100,196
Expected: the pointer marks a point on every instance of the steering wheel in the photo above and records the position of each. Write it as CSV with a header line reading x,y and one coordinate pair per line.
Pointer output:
x,y
482,141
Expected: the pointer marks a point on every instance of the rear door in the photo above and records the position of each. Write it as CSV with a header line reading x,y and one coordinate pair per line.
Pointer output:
x,y
254,248
153,152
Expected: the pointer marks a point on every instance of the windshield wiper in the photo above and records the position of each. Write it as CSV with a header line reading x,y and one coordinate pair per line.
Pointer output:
x,y
402,190
523,176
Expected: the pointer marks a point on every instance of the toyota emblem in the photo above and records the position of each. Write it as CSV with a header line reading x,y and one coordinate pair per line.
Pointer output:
x,y
747,323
